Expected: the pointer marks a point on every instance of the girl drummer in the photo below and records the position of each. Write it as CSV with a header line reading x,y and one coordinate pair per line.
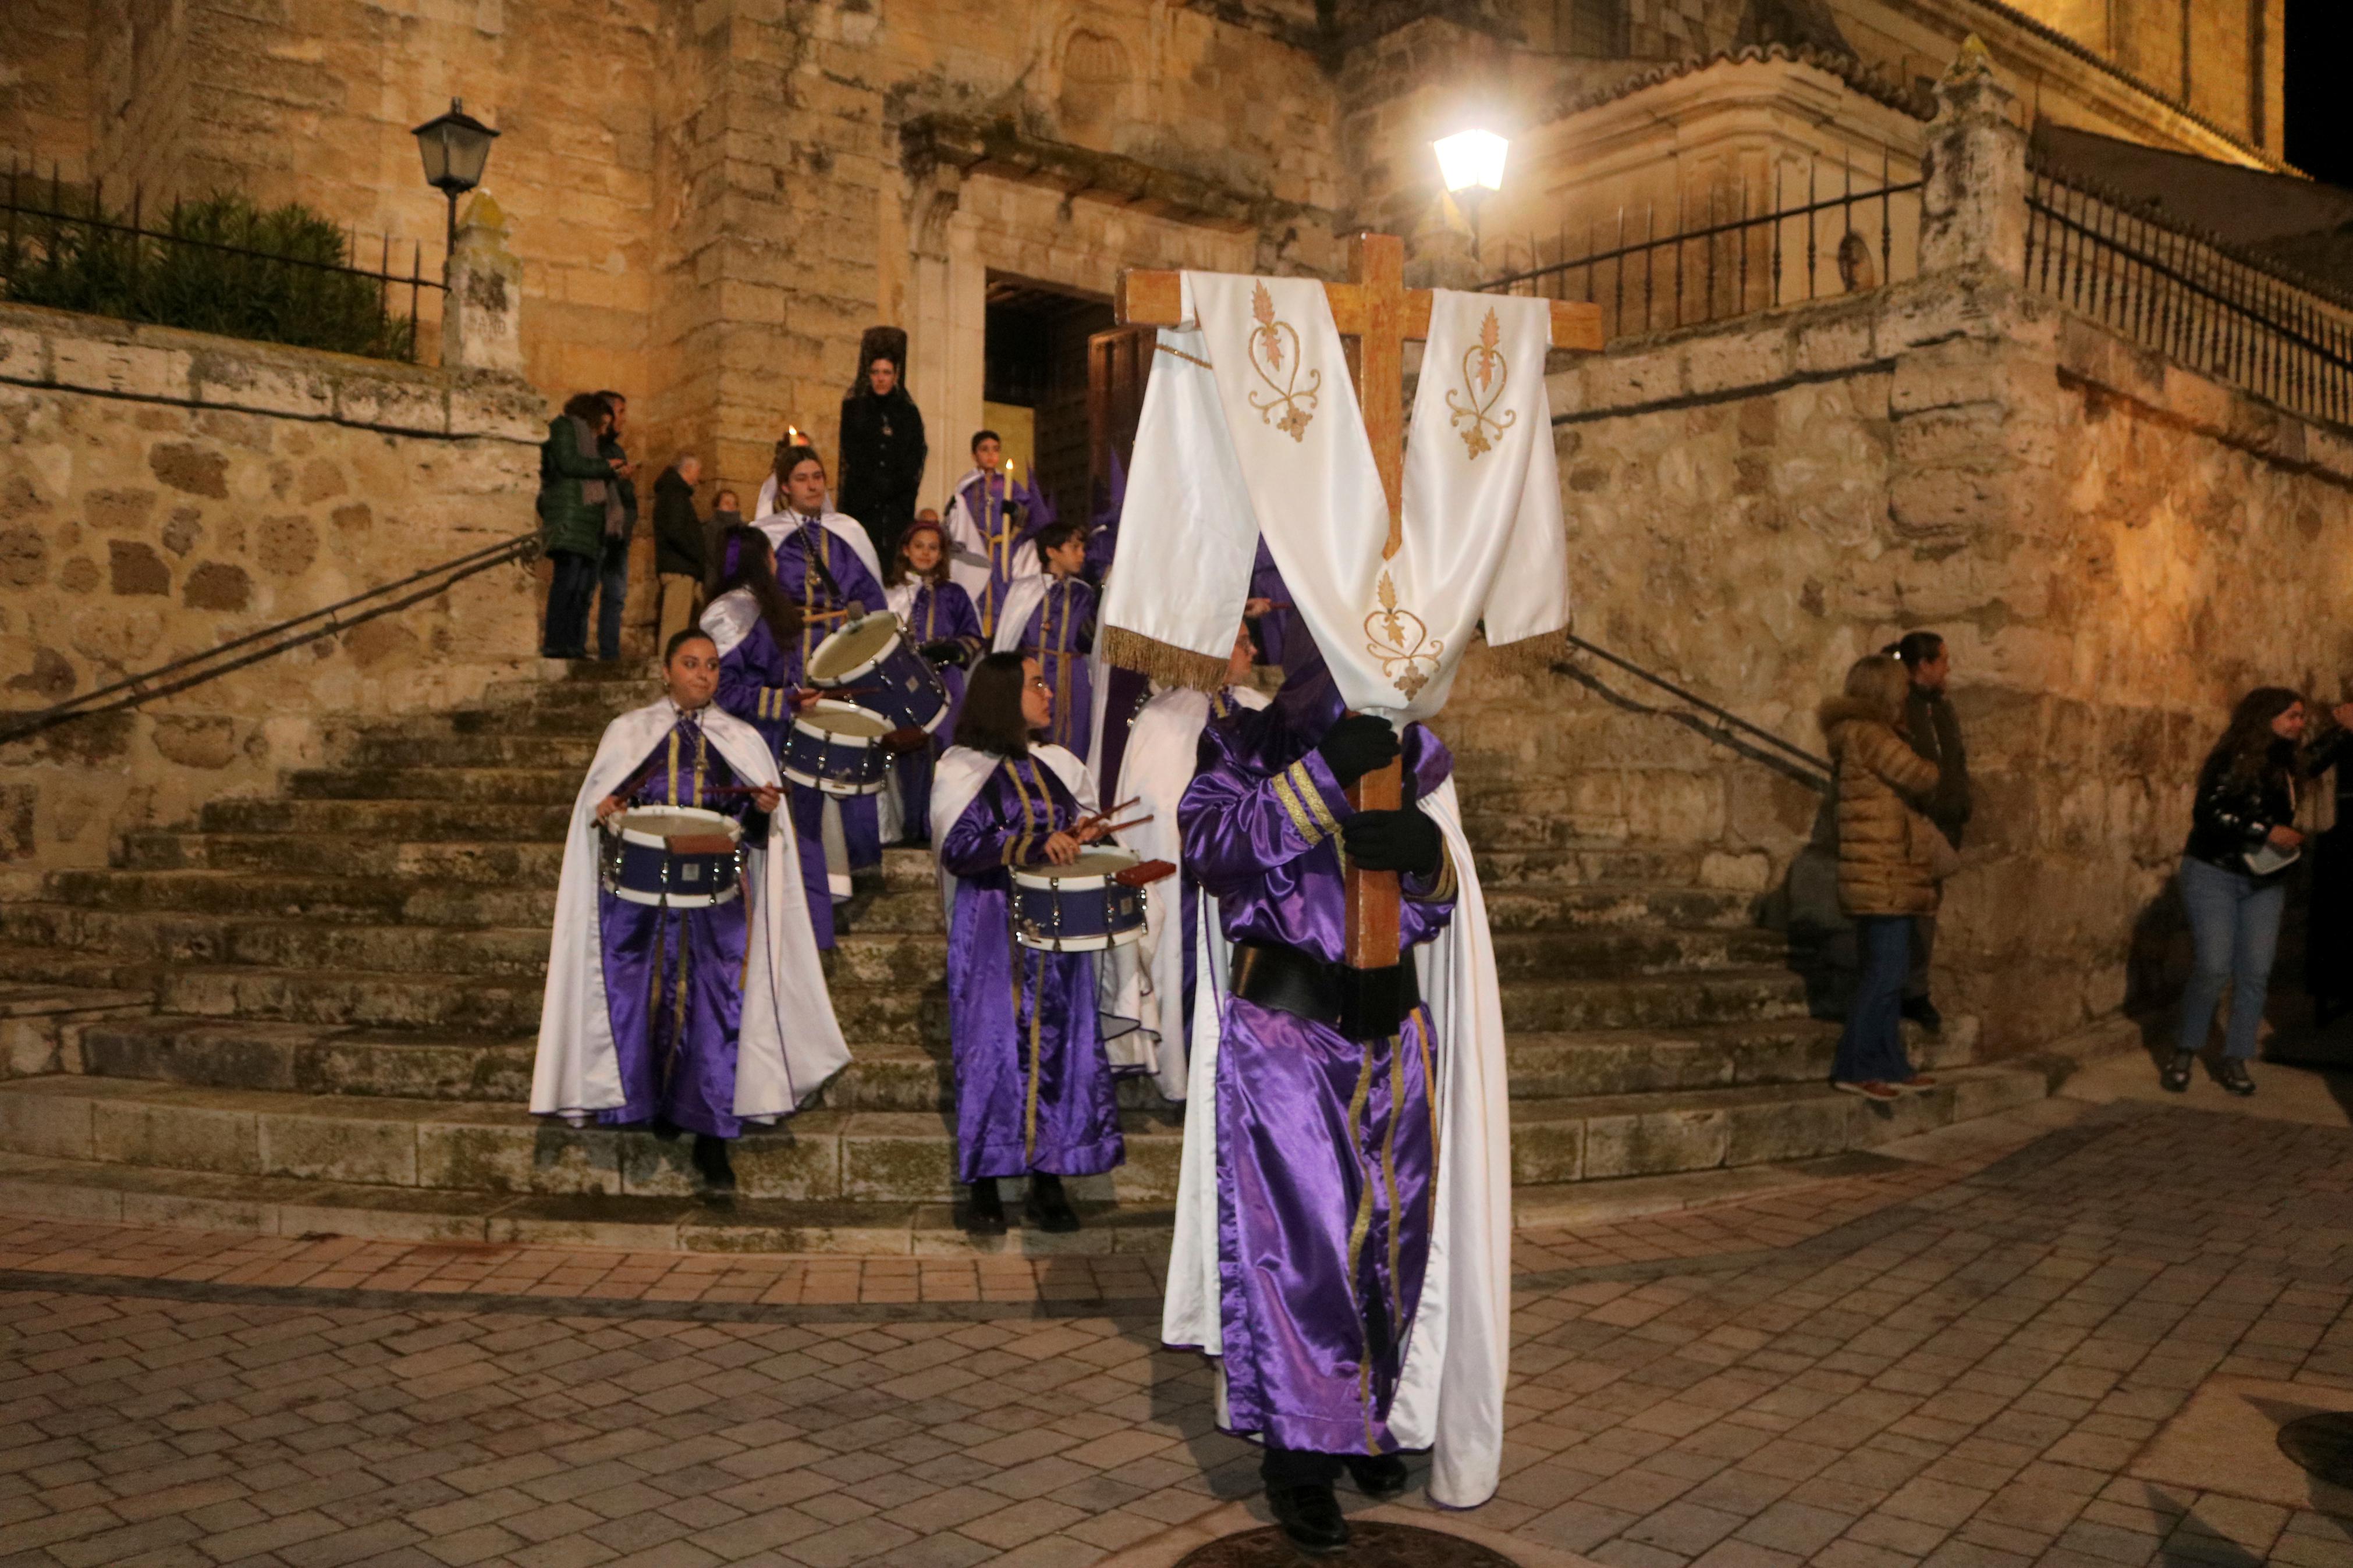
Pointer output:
x,y
1033,1082
939,620
756,630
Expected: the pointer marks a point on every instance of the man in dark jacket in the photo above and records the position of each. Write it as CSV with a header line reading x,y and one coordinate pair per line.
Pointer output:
x,y
612,576
678,546
1935,734
882,446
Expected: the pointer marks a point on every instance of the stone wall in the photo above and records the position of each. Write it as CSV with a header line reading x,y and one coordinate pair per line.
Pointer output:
x,y
2114,548
162,491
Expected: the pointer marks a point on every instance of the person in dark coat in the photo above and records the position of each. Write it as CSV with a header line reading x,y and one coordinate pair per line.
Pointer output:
x,y
1936,733
577,505
882,446
2328,928
678,548
613,573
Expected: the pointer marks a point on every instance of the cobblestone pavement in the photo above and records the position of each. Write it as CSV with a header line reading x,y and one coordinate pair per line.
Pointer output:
x,y
2030,1354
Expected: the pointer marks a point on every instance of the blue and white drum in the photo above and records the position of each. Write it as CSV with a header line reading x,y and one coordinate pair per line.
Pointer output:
x,y
1078,908
836,747
889,677
681,855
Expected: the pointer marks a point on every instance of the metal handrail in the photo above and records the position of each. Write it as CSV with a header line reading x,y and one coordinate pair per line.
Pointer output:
x,y
144,686
1791,758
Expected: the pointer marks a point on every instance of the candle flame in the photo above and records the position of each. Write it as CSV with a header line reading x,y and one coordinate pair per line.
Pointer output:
x,y
793,434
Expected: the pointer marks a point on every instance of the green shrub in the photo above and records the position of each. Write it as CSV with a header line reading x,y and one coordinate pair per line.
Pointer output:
x,y
197,273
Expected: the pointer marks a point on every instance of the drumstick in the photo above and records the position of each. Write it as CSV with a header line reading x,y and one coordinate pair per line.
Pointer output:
x,y
1098,817
1123,827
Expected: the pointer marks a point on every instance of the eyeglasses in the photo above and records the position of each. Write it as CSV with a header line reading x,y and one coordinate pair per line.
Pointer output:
x,y
1037,683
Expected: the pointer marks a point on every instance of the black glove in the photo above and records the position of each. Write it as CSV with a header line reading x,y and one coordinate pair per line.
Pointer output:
x,y
1404,841
1357,745
950,651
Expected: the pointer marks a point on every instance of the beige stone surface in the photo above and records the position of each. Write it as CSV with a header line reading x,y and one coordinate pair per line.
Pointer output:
x,y
2227,1440
162,492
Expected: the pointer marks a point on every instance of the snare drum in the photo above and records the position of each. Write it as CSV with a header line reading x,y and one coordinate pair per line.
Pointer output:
x,y
681,855
1078,908
890,676
836,747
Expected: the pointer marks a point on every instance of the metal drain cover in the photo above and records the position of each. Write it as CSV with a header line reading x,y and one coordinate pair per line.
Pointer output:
x,y
1371,1544
2322,1445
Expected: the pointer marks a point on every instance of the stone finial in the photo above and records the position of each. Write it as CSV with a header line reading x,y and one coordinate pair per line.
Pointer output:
x,y
1974,60
482,325
1973,200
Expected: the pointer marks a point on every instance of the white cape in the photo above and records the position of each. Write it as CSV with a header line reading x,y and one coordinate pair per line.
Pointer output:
x,y
1022,597
1450,1398
1162,748
729,618
956,781
780,526
789,1042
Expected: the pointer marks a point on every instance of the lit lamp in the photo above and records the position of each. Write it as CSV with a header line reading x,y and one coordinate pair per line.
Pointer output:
x,y
1472,164
455,146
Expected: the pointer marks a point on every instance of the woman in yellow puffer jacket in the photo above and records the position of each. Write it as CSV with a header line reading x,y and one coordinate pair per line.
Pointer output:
x,y
1887,868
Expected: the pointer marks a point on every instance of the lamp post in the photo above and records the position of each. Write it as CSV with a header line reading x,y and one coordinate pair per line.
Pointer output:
x,y
455,147
1472,164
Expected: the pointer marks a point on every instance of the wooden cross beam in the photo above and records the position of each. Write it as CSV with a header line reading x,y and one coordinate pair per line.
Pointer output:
x,y
1376,315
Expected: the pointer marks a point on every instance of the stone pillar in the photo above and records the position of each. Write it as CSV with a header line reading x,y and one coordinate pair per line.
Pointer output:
x,y
482,315
1973,203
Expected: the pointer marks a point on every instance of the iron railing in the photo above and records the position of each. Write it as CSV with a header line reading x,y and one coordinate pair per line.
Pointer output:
x,y
61,245
1735,258
2191,297
285,636
1710,719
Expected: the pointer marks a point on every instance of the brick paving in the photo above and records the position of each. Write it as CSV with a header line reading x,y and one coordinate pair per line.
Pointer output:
x,y
1956,1364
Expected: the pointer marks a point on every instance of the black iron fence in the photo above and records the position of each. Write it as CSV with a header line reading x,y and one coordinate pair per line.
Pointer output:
x,y
2191,297
1746,246
221,264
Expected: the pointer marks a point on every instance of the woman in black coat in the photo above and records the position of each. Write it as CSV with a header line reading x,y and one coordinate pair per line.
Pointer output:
x,y
882,446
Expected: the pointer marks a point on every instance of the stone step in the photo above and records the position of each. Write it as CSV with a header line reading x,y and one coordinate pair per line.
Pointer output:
x,y
1607,952
816,1155
1573,1064
496,860
1654,1001
435,821
42,1025
287,1205
1584,865
458,789
497,749
316,896
571,721
1598,1138
1537,905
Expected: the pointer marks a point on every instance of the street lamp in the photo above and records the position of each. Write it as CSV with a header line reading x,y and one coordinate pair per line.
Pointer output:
x,y
455,146
1472,164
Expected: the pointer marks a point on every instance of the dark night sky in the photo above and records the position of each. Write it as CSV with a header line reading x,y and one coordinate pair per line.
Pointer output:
x,y
2319,61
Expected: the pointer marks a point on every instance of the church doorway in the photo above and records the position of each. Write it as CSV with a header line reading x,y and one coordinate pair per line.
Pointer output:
x,y
1035,385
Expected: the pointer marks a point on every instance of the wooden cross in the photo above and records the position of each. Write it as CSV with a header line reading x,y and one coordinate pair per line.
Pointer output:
x,y
1376,313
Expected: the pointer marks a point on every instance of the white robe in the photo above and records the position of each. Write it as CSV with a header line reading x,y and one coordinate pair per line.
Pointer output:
x,y
1154,771
780,526
1449,1398
789,1042
966,541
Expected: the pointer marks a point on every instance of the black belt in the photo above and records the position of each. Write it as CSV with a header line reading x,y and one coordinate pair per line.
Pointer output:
x,y
1361,1004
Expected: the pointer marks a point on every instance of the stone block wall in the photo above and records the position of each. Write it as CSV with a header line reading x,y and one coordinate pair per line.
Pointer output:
x,y
163,492
2114,548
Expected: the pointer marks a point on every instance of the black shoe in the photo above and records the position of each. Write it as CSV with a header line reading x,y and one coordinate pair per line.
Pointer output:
x,y
1311,1518
711,1159
1377,1475
987,1209
2176,1075
1922,1011
1048,1206
2235,1077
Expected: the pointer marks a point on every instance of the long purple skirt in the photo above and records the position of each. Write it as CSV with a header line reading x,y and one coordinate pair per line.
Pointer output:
x,y
674,989
1327,1165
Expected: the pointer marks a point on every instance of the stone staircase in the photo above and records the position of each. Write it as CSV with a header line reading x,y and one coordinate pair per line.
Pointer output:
x,y
315,1013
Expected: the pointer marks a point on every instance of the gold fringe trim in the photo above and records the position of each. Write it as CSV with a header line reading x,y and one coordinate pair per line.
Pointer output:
x,y
1164,662
1533,655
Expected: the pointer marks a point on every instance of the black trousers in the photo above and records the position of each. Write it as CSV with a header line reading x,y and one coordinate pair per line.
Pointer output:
x,y
569,592
1299,1468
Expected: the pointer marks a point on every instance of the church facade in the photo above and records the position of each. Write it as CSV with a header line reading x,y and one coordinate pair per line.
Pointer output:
x,y
711,201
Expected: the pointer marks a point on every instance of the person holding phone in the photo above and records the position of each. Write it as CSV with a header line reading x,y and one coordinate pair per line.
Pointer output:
x,y
2242,839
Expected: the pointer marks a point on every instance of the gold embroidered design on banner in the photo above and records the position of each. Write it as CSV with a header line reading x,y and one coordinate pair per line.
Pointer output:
x,y
1280,368
1484,370
1403,661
